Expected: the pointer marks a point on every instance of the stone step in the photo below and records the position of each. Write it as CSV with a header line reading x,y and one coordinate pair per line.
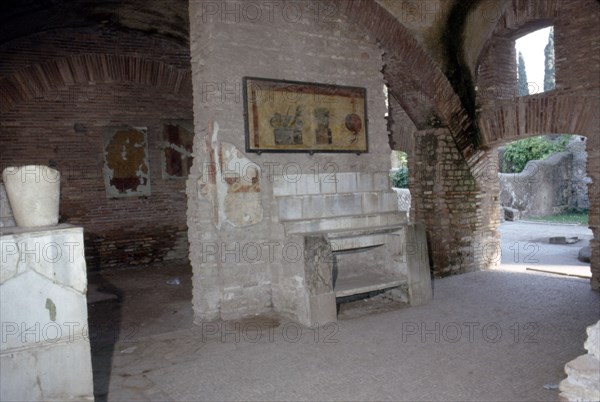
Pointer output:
x,y
369,281
347,223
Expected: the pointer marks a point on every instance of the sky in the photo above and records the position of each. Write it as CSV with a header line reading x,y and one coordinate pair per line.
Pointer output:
x,y
532,46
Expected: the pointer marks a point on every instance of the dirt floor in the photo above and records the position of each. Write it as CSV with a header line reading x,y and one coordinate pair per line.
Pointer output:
x,y
145,346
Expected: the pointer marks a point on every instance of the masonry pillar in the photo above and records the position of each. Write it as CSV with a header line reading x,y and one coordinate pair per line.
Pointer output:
x,y
460,211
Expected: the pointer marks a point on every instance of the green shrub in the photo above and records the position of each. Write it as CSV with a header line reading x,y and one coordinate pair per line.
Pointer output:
x,y
518,153
400,177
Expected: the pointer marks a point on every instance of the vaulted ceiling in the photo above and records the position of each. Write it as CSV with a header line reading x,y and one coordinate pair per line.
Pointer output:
x,y
168,18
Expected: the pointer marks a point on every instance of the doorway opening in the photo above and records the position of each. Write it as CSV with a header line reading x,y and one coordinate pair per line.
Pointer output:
x,y
544,205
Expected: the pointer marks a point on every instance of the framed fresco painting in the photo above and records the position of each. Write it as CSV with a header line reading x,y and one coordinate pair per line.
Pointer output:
x,y
291,116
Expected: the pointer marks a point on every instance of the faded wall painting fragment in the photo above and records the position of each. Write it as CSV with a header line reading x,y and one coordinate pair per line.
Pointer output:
x,y
177,143
126,168
230,182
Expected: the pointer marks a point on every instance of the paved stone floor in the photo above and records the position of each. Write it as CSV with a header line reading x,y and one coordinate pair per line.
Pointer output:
x,y
526,246
486,336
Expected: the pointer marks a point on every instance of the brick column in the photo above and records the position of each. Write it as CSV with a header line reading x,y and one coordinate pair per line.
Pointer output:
x,y
459,210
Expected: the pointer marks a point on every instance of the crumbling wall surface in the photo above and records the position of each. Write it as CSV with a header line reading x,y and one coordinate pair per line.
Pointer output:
x,y
242,264
543,187
62,92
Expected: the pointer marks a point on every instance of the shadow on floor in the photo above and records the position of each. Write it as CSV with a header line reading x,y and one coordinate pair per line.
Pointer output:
x,y
103,333
150,300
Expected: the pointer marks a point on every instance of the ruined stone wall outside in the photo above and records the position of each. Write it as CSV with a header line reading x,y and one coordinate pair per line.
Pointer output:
x,y
228,43
544,187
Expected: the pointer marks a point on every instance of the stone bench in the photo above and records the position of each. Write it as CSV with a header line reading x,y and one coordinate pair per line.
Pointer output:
x,y
354,241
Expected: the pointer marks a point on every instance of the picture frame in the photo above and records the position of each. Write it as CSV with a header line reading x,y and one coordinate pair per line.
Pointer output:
x,y
294,116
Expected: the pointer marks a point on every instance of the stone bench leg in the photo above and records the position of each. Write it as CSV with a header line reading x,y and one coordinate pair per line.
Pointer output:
x,y
417,258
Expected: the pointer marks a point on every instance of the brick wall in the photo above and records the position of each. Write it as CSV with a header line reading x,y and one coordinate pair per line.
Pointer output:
x,y
455,206
310,47
38,120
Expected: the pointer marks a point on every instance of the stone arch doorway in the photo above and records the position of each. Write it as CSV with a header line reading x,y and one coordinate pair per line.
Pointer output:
x,y
571,108
543,219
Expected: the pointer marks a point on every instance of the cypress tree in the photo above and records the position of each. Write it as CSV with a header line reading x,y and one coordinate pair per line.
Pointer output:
x,y
522,76
549,81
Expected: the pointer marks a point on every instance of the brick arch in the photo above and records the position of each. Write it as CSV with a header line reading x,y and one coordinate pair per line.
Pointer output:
x,y
507,19
413,77
504,116
571,108
547,113
522,16
33,81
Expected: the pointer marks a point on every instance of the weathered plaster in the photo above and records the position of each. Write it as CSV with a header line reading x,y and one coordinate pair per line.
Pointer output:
x,y
231,182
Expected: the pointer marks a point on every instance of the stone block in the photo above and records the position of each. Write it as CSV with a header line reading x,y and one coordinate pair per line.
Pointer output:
x,y
328,183
585,369
370,202
290,208
45,304
343,205
364,182
313,207
56,253
388,202
511,214
283,186
323,309
308,184
51,372
346,182
417,259
381,181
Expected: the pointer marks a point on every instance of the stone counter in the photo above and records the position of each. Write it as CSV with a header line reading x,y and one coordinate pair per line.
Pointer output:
x,y
45,350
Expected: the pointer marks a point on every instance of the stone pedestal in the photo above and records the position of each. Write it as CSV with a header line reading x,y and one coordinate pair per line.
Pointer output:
x,y
45,350
583,381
